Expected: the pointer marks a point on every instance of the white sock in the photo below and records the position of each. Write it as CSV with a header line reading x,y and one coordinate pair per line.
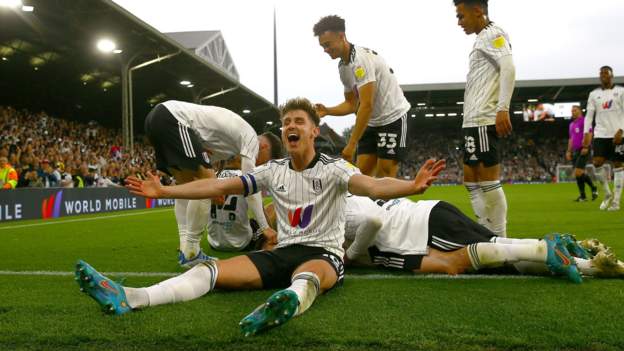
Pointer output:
x,y
190,285
197,212
499,240
601,177
307,286
477,202
489,255
180,214
495,207
618,181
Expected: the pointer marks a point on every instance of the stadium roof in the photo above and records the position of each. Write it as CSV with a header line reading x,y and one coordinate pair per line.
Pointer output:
x,y
49,61
444,98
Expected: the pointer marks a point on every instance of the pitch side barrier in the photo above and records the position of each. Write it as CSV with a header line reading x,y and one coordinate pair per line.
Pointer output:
x,y
32,203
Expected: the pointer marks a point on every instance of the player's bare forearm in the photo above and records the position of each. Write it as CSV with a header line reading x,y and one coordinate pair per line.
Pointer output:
x,y
343,109
587,139
361,122
199,189
390,188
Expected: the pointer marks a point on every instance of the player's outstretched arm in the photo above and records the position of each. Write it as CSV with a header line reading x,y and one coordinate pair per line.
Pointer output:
x,y
199,189
390,188
348,106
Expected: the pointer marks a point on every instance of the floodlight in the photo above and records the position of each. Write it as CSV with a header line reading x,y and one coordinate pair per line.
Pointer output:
x,y
106,45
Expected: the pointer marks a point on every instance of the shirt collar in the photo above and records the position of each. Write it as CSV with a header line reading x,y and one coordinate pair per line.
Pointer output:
x,y
310,165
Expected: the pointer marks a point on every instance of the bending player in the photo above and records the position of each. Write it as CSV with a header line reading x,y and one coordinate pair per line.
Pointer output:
x,y
309,192
436,237
187,138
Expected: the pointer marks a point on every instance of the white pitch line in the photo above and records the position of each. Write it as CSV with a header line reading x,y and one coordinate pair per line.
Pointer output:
x,y
83,219
348,276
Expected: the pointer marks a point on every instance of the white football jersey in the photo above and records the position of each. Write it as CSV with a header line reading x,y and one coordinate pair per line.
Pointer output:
x,y
309,204
224,133
228,224
608,107
483,81
366,66
405,223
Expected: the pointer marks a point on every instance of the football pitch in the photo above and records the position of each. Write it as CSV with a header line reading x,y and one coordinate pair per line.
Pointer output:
x,y
41,307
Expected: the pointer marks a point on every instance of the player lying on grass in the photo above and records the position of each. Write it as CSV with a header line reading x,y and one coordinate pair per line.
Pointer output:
x,y
436,237
188,139
309,191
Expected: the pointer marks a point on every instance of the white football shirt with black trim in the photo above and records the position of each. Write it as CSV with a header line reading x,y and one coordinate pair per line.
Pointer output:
x,y
608,107
483,81
405,223
309,204
366,66
228,224
224,133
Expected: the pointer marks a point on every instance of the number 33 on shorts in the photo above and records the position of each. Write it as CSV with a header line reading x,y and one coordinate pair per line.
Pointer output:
x,y
387,140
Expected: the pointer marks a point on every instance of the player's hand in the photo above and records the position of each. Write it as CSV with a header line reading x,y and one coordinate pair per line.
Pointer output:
x,y
270,236
428,174
584,151
349,151
321,110
219,200
503,124
568,155
150,187
617,139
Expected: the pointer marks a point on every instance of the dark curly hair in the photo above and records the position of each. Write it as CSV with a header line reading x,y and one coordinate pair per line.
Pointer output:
x,y
330,23
482,3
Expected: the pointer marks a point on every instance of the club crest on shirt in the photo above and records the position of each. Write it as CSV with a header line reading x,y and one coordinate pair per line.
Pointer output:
x,y
317,185
359,72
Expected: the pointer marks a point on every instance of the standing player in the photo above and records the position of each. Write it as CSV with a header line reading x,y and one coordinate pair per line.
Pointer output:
x,y
489,86
373,93
187,138
607,104
579,155
309,193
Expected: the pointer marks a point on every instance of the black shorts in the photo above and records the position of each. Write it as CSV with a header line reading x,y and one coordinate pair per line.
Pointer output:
x,y
580,161
481,146
176,146
387,142
604,147
449,230
276,267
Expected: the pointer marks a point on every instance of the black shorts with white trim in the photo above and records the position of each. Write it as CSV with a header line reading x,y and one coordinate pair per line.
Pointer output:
x,y
276,267
481,146
387,142
176,145
604,147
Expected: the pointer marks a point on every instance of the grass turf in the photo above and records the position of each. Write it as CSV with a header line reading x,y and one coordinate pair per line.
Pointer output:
x,y
48,312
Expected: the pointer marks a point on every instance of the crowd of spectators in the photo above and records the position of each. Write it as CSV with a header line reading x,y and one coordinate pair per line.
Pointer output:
x,y
51,152
525,158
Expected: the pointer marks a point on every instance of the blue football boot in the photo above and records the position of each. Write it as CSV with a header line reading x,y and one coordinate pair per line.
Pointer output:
x,y
278,309
107,293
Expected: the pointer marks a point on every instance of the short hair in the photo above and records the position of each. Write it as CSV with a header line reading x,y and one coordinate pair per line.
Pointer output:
x,y
607,68
330,23
276,145
482,3
300,103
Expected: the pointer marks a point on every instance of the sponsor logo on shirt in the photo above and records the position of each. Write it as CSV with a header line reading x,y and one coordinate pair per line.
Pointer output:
x,y
281,188
301,217
607,105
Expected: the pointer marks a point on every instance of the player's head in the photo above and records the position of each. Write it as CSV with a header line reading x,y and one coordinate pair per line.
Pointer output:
x,y
576,111
471,14
330,31
269,148
606,76
300,125
3,161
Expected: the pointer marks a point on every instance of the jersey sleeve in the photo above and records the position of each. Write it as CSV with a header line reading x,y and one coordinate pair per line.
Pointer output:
x,y
258,179
364,71
249,145
496,45
343,171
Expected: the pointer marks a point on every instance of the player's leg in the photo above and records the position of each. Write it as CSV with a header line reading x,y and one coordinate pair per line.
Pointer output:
x,y
579,174
603,149
494,198
580,162
618,178
387,168
366,159
471,174
367,163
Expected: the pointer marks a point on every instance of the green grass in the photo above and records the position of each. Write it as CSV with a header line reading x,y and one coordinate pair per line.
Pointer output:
x,y
49,313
